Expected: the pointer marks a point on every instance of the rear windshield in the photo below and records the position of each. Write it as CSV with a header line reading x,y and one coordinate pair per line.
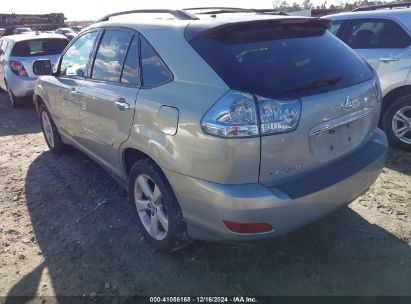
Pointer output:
x,y
281,60
39,47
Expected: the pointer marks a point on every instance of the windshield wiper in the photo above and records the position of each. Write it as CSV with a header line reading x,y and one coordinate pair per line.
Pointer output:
x,y
326,82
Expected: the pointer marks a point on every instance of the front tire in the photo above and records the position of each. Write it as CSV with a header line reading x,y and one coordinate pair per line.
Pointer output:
x,y
397,123
158,213
50,131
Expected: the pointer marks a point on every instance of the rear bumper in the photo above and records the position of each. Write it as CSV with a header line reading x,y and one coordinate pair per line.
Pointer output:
x,y
20,86
205,204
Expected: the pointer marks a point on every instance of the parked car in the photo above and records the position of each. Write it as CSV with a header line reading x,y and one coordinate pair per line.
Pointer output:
x,y
1,31
17,54
66,31
22,30
233,127
76,28
382,37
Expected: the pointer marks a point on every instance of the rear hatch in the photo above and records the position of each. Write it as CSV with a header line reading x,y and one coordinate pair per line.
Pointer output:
x,y
290,60
28,51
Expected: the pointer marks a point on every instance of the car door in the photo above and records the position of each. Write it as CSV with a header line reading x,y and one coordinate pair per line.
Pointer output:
x,y
109,95
62,89
382,43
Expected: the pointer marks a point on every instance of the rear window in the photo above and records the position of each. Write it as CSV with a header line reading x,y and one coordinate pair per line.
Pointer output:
x,y
39,47
280,60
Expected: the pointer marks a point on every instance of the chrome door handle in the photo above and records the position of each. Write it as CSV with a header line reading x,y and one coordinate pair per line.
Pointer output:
x,y
122,105
387,59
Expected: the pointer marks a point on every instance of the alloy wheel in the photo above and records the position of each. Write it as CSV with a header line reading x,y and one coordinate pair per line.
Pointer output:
x,y
48,129
401,124
150,207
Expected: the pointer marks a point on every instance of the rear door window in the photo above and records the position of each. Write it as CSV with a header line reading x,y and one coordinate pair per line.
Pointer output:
x,y
131,69
375,34
154,70
111,55
281,61
39,47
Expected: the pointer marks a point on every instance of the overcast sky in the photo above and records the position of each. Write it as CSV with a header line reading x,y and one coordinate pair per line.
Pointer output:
x,y
93,9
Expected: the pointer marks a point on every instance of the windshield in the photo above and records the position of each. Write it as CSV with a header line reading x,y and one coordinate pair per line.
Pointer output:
x,y
24,30
39,47
281,61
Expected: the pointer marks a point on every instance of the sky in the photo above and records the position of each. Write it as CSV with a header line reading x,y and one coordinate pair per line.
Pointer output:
x,y
94,9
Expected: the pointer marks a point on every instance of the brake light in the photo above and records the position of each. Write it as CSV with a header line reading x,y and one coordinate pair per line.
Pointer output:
x,y
239,114
18,68
248,228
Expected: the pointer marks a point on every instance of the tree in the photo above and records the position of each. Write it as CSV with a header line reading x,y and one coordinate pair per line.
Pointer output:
x,y
307,4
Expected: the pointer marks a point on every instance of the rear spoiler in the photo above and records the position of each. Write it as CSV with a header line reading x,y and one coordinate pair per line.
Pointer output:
x,y
286,27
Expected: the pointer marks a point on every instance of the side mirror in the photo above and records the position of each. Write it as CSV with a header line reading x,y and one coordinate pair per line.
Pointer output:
x,y
42,67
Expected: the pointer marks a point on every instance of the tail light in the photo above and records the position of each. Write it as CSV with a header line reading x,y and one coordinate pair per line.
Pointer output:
x,y
239,114
232,116
18,68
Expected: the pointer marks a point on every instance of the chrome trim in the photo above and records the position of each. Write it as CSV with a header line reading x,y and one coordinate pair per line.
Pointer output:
x,y
339,121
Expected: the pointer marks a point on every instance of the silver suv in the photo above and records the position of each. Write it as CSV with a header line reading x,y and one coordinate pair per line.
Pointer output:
x,y
228,127
381,35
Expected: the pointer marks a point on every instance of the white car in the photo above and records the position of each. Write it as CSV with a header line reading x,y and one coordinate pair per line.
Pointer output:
x,y
382,36
17,54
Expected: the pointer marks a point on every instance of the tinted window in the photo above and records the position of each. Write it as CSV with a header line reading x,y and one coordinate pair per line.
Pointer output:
x,y
131,69
335,26
75,60
263,61
375,34
401,40
39,47
110,56
154,70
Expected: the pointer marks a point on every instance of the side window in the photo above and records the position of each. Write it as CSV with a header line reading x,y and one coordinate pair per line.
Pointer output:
x,y
131,70
372,34
74,61
154,71
111,55
335,26
401,40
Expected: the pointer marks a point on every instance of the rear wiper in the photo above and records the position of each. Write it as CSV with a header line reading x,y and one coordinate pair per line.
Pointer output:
x,y
315,84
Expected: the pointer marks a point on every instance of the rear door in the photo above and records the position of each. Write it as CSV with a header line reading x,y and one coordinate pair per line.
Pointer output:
x,y
109,95
382,43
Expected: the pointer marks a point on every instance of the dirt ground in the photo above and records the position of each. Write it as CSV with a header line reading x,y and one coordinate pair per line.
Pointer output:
x,y
66,229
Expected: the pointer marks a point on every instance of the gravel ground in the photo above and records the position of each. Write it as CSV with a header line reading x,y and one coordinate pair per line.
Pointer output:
x,y
66,229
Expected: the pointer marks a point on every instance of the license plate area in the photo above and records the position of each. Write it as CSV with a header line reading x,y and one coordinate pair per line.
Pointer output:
x,y
336,137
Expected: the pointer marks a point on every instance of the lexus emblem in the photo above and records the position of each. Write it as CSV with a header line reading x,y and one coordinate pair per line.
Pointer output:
x,y
346,103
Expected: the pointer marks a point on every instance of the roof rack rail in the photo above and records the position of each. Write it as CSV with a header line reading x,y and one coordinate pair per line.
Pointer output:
x,y
220,10
376,7
178,14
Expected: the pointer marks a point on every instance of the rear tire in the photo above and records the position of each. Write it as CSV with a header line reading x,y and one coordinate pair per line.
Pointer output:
x,y
158,213
396,122
50,131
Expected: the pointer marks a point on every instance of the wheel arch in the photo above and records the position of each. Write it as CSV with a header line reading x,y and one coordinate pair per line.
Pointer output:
x,y
38,100
130,156
393,95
